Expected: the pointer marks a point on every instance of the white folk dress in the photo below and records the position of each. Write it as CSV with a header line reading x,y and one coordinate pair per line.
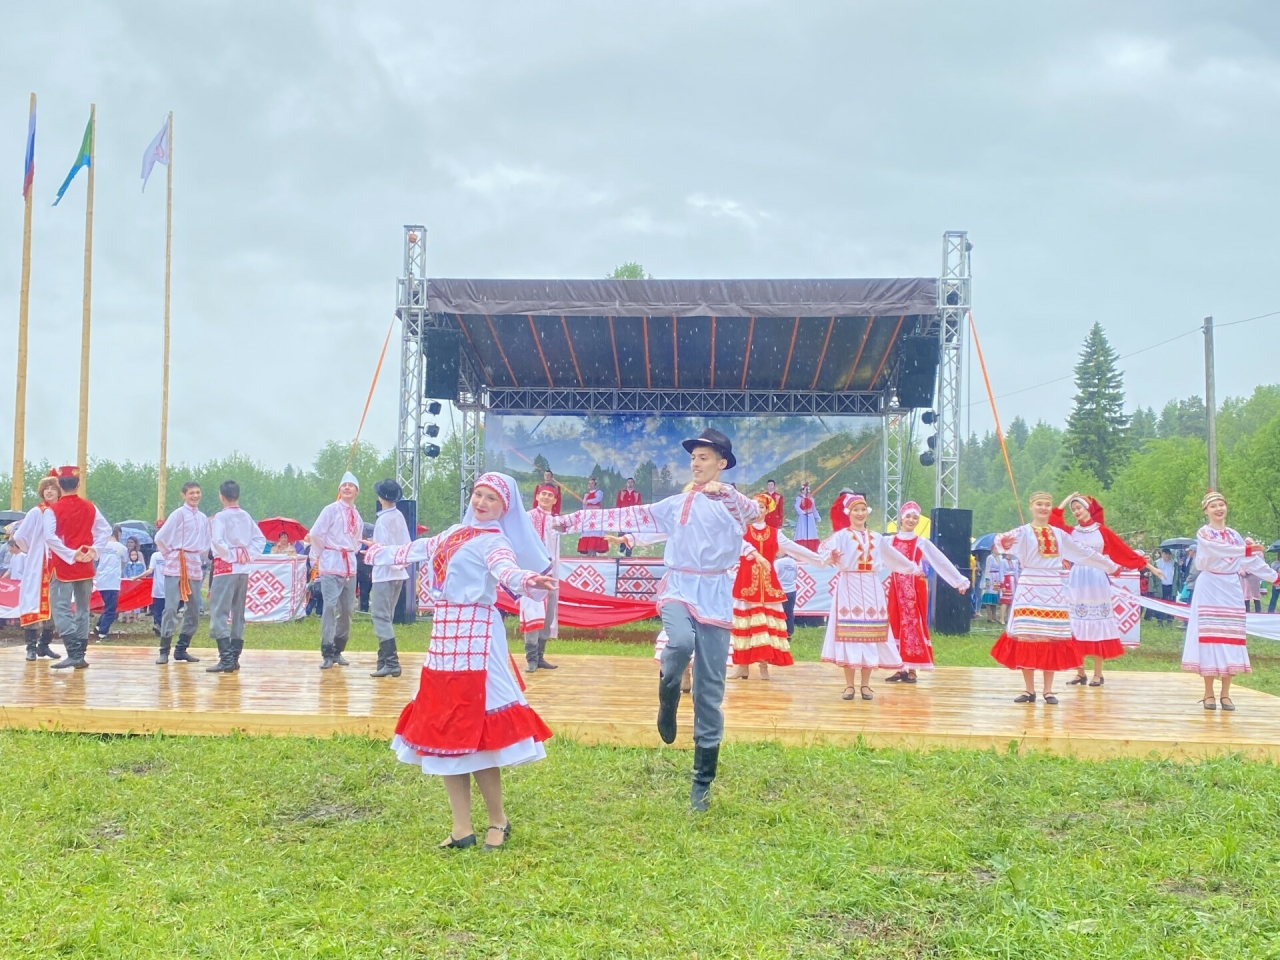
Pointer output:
x,y
533,613
1215,644
1038,633
469,713
858,625
37,573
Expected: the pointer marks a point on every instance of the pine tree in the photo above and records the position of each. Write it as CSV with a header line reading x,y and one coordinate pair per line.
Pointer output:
x,y
1097,437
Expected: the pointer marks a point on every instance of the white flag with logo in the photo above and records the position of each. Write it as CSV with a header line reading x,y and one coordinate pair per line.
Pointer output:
x,y
158,152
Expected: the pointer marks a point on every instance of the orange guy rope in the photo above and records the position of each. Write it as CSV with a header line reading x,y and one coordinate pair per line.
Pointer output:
x,y
992,400
861,451
369,399
558,483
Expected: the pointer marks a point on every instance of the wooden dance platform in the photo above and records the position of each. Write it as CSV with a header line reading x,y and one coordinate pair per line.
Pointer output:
x,y
612,700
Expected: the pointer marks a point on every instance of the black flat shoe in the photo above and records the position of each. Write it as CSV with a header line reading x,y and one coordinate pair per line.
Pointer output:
x,y
1050,699
1025,698
506,835
898,677
849,694
1097,683
908,679
451,844
1209,703
1079,681
867,694
1227,704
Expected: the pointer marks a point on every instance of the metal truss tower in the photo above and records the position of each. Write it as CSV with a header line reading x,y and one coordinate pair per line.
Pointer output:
x,y
953,308
897,432
411,308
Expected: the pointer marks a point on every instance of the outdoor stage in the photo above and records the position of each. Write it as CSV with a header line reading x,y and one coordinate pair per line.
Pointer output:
x,y
611,700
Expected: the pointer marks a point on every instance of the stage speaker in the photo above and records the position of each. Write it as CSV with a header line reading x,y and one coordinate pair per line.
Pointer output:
x,y
919,354
407,605
952,533
441,353
915,390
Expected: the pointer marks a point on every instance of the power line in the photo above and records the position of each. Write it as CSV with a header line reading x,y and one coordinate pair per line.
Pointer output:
x,y
1134,353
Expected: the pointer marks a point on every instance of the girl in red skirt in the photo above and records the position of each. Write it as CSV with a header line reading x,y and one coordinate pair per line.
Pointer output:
x,y
1038,634
759,633
470,718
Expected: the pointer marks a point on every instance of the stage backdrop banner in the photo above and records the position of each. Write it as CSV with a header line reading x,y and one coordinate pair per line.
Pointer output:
x,y
277,592
637,578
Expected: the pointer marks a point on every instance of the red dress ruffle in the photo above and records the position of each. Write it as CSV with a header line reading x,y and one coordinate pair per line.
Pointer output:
x,y
1036,655
1106,649
448,719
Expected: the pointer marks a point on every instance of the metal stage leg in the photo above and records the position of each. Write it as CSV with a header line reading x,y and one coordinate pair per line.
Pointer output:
x,y
953,308
896,433
411,308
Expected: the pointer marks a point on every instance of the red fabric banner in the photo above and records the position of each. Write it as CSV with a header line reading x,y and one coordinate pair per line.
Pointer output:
x,y
134,595
581,608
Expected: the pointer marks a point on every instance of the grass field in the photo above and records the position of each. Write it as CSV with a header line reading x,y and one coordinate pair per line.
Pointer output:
x,y
261,847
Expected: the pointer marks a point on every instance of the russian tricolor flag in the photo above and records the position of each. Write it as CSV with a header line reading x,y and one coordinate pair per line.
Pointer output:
x,y
29,173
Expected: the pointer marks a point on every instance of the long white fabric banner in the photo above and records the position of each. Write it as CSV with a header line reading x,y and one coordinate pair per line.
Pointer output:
x,y
1263,625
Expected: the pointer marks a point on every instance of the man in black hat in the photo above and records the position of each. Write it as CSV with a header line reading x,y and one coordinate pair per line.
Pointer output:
x,y
703,528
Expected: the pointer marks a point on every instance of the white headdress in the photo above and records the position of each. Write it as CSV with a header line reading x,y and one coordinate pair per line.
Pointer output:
x,y
515,523
349,477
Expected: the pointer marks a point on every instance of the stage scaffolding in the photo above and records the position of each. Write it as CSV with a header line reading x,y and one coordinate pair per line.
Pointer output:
x,y
484,385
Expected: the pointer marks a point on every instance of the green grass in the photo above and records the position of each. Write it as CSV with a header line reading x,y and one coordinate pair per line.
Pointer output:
x,y
138,847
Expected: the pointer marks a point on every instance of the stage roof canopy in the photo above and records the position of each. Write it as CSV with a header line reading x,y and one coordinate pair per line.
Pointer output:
x,y
833,340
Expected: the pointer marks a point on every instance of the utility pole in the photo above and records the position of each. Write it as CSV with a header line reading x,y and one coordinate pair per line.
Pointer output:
x,y
1210,404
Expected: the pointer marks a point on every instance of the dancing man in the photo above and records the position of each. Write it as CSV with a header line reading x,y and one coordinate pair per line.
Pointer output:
x,y
183,543
704,528
234,538
335,541
390,530
75,531
469,718
909,596
539,619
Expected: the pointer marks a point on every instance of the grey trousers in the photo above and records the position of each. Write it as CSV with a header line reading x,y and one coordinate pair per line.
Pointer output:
x,y
382,607
708,646
226,602
535,643
190,610
339,600
71,626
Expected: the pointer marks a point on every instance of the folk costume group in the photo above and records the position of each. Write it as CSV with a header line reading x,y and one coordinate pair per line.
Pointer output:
x,y
721,602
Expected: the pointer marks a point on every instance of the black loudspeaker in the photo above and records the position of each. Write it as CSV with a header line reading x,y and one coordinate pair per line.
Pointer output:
x,y
919,354
915,390
441,352
407,605
952,533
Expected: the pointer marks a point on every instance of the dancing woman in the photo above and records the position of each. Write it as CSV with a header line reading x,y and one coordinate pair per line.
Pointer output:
x,y
469,718
1093,621
1215,644
1038,634
857,635
759,633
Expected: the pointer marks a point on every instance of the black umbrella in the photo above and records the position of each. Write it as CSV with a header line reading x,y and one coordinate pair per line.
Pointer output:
x,y
1274,548
10,516
1178,543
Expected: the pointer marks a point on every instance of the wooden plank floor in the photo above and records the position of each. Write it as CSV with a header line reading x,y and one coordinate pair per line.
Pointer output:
x,y
611,700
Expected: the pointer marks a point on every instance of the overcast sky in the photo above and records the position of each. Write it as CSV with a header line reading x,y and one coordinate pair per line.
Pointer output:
x,y
1111,162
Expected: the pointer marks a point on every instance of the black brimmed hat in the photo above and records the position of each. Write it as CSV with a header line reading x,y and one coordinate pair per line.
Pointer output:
x,y
718,442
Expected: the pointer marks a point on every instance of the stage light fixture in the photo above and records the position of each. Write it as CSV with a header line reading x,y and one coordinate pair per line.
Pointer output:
x,y
926,458
928,417
434,408
953,298
932,441
432,430
431,451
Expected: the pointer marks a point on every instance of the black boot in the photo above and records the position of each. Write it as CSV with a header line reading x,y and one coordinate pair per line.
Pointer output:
x,y
338,647
327,655
224,664
32,639
542,661
42,649
74,657
164,651
237,648
180,651
704,771
668,703
388,659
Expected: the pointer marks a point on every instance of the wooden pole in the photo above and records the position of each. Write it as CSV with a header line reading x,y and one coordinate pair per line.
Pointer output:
x,y
164,370
82,447
1210,404
20,401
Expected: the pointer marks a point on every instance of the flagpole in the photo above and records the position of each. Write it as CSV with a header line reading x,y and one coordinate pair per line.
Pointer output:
x,y
164,373
20,401
82,447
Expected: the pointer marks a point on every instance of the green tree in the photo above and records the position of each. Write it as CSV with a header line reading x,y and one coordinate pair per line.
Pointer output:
x,y
540,466
629,271
1097,430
